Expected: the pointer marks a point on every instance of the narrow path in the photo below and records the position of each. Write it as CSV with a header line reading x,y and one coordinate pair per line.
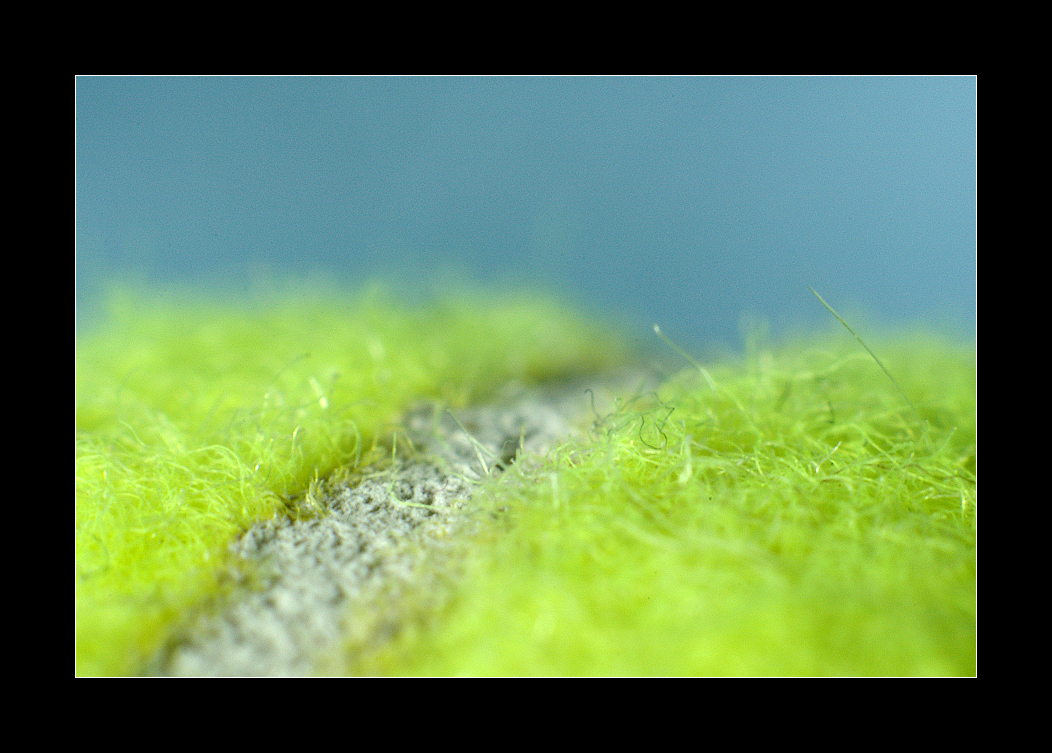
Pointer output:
x,y
382,550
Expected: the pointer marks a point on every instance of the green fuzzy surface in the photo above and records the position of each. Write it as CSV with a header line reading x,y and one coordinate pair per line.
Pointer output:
x,y
196,418
781,513
789,521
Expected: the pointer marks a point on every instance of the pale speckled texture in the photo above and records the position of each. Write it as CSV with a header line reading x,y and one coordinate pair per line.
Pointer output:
x,y
320,585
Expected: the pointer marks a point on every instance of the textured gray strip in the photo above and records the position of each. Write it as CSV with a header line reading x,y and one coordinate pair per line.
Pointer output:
x,y
312,588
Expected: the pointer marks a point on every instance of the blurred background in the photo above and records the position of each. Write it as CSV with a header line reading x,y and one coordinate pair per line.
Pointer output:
x,y
686,202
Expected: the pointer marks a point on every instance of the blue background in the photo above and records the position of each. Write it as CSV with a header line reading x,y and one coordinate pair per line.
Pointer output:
x,y
680,201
